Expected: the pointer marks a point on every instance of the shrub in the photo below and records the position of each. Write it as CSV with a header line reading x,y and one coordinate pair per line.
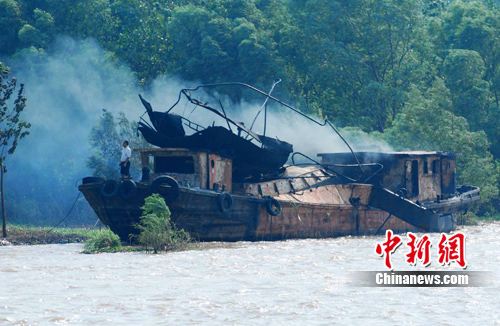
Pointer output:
x,y
105,241
157,231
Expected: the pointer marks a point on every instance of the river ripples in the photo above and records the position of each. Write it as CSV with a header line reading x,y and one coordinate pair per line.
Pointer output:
x,y
247,283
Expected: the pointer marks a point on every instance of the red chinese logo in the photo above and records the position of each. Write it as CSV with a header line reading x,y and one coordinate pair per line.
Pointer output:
x,y
452,249
389,247
420,249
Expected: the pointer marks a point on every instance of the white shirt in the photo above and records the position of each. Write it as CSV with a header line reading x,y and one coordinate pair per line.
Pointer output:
x,y
126,152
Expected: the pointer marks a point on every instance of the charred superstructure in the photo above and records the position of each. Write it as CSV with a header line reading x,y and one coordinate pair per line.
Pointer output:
x,y
252,154
230,183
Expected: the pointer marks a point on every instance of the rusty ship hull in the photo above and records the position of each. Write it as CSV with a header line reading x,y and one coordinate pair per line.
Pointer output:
x,y
322,212
197,212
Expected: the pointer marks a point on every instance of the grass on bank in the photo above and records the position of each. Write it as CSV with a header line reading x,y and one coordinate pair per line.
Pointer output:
x,y
16,230
30,235
157,232
104,241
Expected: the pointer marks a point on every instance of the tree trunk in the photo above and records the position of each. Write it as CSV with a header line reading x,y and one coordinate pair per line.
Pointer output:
x,y
4,215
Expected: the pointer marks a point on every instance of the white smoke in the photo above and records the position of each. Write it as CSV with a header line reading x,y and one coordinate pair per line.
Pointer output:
x,y
282,123
67,90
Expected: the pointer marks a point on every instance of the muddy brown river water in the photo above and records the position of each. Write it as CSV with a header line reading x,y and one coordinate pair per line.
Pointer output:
x,y
296,282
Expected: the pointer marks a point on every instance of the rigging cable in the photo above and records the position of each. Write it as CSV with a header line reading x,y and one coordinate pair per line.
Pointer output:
x,y
74,203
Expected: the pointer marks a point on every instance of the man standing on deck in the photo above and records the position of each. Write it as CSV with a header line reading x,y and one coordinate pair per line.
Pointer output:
x,y
125,161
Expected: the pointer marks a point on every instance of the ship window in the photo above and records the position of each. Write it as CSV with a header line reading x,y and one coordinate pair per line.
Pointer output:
x,y
435,166
174,164
447,167
426,167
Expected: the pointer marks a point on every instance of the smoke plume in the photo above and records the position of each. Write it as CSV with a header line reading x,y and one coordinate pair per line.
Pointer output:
x,y
67,90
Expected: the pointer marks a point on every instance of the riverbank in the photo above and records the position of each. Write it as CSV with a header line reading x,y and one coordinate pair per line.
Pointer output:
x,y
22,236
29,236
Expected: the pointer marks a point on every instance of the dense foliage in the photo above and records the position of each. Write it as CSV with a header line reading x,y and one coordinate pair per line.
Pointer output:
x,y
104,241
420,74
157,231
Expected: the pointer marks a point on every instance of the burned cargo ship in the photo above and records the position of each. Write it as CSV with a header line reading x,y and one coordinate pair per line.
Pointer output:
x,y
228,183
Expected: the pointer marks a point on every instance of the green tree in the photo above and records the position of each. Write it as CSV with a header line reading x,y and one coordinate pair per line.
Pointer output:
x,y
31,36
39,32
471,25
12,128
141,36
106,137
44,21
356,60
157,231
468,40
10,23
226,41
89,19
464,71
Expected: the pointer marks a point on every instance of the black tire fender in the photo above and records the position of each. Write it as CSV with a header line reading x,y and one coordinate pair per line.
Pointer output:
x,y
269,207
87,180
109,189
169,196
127,189
225,203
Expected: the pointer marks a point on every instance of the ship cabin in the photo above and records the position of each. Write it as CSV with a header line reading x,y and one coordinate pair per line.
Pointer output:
x,y
210,171
190,168
417,175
